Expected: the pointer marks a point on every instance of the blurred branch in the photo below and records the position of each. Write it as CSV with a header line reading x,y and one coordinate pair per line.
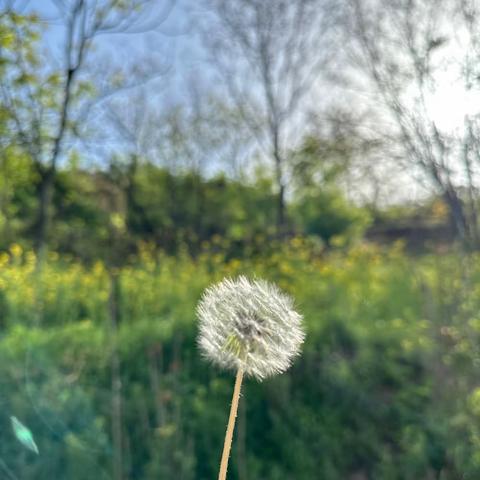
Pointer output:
x,y
398,45
53,105
270,55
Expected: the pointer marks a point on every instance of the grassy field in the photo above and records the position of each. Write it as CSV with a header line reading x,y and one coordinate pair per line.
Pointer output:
x,y
101,365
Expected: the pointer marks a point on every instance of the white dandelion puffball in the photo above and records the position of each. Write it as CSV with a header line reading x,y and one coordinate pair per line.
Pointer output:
x,y
249,325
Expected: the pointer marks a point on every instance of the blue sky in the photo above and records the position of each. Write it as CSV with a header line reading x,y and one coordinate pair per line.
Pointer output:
x,y
175,42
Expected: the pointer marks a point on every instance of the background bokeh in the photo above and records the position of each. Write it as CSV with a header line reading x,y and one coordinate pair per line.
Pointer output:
x,y
150,147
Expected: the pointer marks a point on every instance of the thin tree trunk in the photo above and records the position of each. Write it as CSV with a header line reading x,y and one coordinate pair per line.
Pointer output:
x,y
43,221
178,441
281,190
472,197
48,176
457,216
116,381
155,372
137,218
281,210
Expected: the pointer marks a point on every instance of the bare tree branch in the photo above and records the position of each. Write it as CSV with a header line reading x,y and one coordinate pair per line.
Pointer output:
x,y
46,116
270,54
405,46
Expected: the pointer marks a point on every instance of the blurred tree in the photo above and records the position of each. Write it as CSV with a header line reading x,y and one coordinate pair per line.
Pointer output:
x,y
17,196
95,218
270,55
83,213
184,144
47,105
319,206
422,57
17,33
189,208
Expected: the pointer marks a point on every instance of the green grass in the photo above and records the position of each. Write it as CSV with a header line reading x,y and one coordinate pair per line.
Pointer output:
x,y
386,386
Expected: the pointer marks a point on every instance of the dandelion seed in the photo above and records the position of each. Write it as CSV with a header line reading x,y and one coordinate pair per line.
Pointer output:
x,y
251,327
24,435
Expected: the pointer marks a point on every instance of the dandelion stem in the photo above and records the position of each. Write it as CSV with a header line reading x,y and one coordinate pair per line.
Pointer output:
x,y
231,425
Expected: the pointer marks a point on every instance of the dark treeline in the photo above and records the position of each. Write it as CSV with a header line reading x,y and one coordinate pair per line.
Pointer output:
x,y
165,209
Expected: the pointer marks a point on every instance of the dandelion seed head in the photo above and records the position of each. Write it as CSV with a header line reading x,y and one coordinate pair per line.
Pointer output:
x,y
249,324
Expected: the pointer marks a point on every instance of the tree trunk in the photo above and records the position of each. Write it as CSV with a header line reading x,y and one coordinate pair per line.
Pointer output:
x,y
281,191
281,210
155,354
457,217
137,219
43,220
116,380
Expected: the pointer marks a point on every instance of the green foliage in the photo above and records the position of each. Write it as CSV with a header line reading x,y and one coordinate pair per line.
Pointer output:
x,y
17,195
327,214
31,91
152,205
175,208
78,210
386,386
319,206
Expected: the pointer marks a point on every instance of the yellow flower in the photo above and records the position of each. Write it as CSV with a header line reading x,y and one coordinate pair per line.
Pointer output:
x,y
16,250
